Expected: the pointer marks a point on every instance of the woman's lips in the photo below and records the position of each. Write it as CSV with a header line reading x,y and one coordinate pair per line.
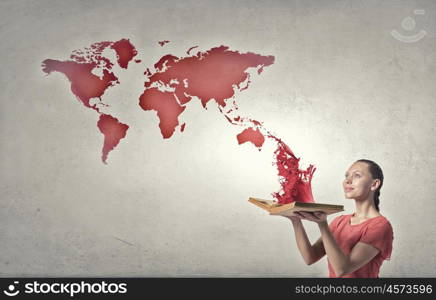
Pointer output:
x,y
348,189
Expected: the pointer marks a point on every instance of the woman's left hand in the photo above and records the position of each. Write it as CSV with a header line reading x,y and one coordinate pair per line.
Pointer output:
x,y
317,216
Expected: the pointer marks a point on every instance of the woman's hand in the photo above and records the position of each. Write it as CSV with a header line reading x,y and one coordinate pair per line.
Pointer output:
x,y
317,216
293,216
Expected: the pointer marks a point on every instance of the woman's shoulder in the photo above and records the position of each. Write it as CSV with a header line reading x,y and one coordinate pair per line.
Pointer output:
x,y
338,220
382,220
379,220
380,223
342,217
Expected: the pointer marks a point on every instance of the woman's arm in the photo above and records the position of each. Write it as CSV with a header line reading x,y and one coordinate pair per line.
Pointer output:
x,y
310,253
342,264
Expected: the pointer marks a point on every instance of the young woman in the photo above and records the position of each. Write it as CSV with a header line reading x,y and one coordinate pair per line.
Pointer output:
x,y
356,244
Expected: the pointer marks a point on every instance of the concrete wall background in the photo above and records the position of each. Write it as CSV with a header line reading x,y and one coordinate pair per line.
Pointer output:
x,y
342,88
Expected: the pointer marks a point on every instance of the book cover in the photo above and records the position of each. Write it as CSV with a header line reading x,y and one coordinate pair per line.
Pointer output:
x,y
274,208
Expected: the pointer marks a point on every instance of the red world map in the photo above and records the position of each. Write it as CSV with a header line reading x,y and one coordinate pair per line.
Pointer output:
x,y
211,75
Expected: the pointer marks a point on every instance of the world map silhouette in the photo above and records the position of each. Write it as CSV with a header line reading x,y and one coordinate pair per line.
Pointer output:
x,y
211,75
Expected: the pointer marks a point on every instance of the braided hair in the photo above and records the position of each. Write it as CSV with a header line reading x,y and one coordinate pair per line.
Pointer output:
x,y
376,173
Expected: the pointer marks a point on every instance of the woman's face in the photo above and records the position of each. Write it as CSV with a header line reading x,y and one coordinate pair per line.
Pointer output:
x,y
358,182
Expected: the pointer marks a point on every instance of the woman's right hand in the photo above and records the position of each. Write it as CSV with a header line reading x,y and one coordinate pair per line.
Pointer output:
x,y
295,216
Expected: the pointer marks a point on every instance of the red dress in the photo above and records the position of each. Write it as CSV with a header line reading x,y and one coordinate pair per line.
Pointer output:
x,y
375,231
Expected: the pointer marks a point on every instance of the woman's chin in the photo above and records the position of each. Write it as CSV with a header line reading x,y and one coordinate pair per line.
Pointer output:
x,y
348,195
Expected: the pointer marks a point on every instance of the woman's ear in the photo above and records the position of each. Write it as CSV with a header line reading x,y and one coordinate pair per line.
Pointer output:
x,y
375,184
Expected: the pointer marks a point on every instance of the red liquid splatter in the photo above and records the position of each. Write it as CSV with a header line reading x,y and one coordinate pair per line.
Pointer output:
x,y
166,106
295,183
250,135
162,43
125,52
182,127
113,132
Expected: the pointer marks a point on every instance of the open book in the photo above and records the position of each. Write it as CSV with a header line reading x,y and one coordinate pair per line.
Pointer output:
x,y
288,209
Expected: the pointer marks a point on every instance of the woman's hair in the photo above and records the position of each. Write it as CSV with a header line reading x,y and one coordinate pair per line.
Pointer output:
x,y
376,173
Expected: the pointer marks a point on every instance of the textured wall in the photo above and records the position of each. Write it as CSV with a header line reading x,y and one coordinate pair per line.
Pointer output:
x,y
342,88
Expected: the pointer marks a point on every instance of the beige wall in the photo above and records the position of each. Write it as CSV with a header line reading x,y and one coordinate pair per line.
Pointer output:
x,y
342,88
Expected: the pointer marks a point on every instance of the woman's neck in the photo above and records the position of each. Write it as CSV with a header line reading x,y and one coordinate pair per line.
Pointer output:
x,y
365,209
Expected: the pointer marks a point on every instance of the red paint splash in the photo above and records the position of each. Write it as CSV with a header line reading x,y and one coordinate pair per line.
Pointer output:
x,y
162,43
182,127
166,106
113,132
250,135
295,183
125,52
